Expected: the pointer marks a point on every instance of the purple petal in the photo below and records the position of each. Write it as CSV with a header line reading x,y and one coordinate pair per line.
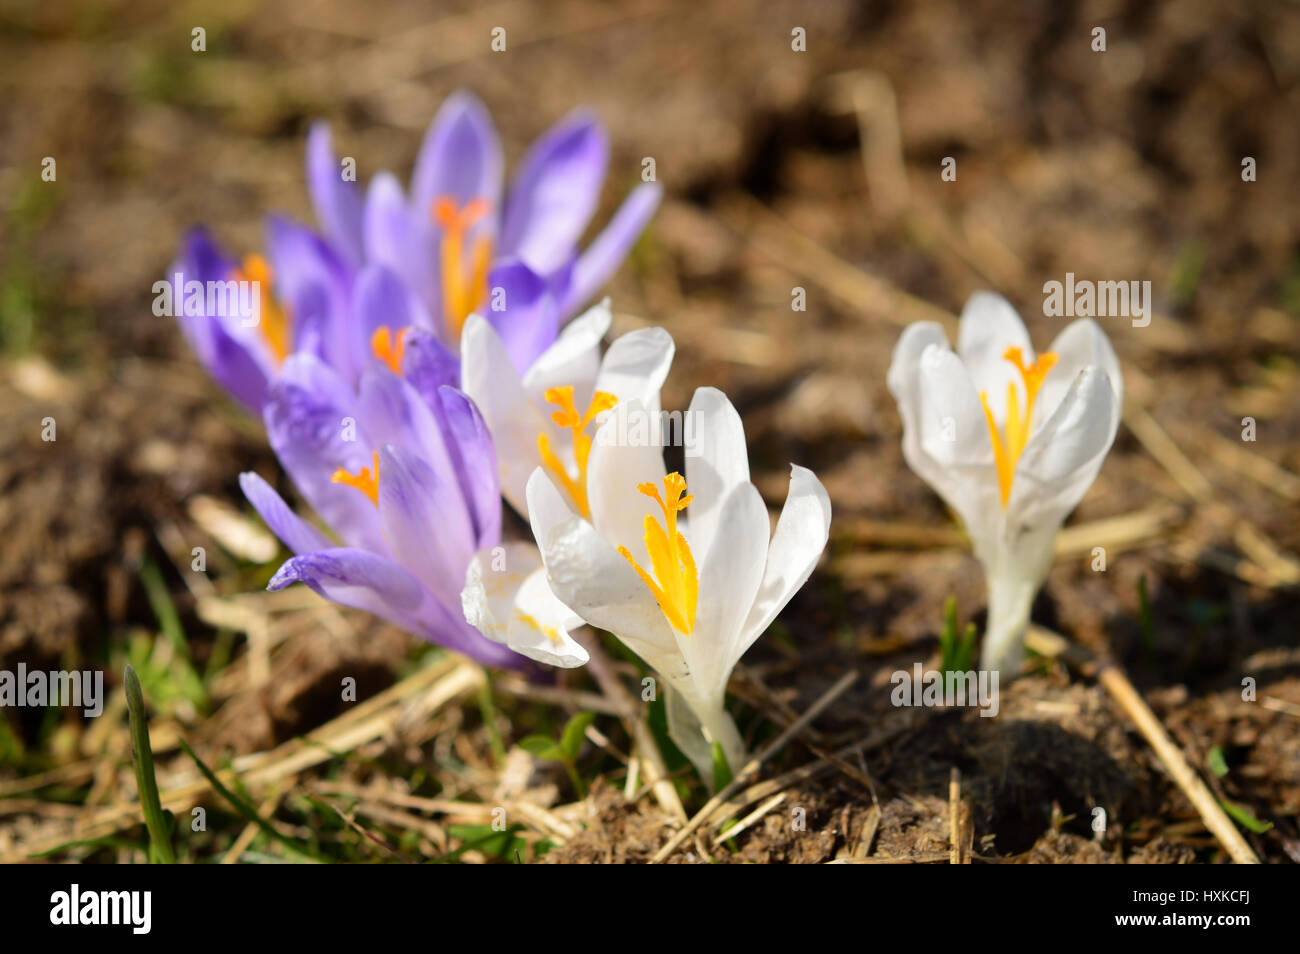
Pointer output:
x,y
312,282
298,535
555,193
395,413
380,298
530,320
236,369
603,257
397,237
460,157
425,522
337,202
474,458
313,425
365,581
356,578
429,365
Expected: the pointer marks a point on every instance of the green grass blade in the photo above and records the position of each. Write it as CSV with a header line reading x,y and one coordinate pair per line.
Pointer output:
x,y
159,838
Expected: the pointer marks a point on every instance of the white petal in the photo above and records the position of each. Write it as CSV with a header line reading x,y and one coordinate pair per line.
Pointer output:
x,y
489,378
730,575
616,467
904,380
635,366
1062,458
589,576
797,544
716,464
989,325
954,435
1080,344
507,599
573,359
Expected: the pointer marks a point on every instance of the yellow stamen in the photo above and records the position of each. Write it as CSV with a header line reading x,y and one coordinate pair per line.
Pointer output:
x,y
384,348
567,416
364,480
1007,449
274,324
462,292
676,584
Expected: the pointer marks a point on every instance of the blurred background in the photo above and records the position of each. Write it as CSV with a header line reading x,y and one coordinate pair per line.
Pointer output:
x,y
785,169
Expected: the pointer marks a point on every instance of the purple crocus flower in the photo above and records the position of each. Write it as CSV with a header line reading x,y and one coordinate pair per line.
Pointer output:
x,y
403,471
458,243
463,243
297,301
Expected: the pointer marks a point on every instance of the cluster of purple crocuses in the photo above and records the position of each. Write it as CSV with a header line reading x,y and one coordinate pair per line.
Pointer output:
x,y
352,359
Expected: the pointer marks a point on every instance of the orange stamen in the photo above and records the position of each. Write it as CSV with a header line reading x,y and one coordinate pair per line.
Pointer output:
x,y
676,583
364,480
568,417
1008,447
462,293
388,351
274,325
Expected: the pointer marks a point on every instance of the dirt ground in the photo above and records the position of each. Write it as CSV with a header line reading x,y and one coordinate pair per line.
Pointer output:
x,y
784,169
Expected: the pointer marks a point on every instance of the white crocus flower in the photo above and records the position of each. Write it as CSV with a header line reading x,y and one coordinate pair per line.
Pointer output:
x,y
688,590
1009,441
547,417
507,599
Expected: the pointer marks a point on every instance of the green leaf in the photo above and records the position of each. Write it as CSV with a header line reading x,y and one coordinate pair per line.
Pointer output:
x,y
247,810
160,844
574,732
1215,760
1244,817
542,746
721,770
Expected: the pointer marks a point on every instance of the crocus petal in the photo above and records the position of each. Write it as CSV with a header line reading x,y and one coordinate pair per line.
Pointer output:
x,y
424,522
311,282
615,469
236,369
717,464
337,202
574,359
729,578
904,381
989,325
296,534
602,257
1080,344
529,319
555,193
1062,458
357,578
381,299
797,544
489,379
395,413
953,433
507,599
591,578
429,365
406,243
366,581
312,425
474,460
460,157
635,366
